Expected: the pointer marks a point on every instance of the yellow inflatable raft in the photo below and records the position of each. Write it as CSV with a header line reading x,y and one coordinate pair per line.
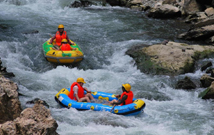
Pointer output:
x,y
62,57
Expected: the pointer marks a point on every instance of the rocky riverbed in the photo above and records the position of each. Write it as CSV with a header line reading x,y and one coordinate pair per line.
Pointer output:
x,y
14,120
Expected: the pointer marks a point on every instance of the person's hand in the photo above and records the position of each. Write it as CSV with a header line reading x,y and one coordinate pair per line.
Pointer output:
x,y
117,96
72,43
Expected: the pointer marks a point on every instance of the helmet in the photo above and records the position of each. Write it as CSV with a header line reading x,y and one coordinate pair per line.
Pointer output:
x,y
80,80
61,26
127,86
64,40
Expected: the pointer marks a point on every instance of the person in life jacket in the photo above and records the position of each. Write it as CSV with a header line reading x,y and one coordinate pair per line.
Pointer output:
x,y
125,98
77,91
60,34
65,46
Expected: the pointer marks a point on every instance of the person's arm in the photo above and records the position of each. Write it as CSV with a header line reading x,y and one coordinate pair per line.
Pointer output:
x,y
88,91
69,40
121,101
51,41
75,89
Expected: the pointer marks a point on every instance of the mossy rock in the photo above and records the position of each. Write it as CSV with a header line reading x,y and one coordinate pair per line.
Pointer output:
x,y
169,59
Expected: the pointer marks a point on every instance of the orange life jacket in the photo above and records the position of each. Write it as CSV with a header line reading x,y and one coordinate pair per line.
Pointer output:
x,y
80,91
129,98
65,47
60,37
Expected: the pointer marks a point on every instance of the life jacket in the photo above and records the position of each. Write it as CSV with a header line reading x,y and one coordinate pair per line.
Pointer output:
x,y
129,98
80,91
65,47
60,37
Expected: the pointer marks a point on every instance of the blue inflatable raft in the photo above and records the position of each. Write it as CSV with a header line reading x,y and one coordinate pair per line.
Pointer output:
x,y
131,109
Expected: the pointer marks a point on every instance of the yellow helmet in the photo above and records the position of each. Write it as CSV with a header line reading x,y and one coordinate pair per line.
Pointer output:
x,y
80,80
127,86
61,26
64,40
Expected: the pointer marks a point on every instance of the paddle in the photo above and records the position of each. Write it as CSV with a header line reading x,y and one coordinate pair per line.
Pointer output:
x,y
112,108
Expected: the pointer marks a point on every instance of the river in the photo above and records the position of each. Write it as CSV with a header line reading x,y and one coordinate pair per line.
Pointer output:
x,y
104,35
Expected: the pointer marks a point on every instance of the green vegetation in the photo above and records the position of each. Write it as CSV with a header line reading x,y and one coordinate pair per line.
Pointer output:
x,y
204,54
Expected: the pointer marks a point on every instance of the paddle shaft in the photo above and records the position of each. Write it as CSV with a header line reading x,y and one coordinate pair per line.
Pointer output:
x,y
112,108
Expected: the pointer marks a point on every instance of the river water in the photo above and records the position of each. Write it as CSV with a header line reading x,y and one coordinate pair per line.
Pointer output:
x,y
104,35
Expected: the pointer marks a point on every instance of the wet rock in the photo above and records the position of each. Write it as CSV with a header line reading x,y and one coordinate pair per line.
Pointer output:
x,y
206,2
197,17
9,101
37,100
31,32
204,22
171,2
169,59
81,3
191,7
206,80
3,71
201,33
208,93
32,121
117,2
164,11
3,26
209,11
204,67
185,83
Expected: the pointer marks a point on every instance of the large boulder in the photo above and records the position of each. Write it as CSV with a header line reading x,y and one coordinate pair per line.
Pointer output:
x,y
164,11
208,93
170,58
9,101
206,80
3,71
186,84
201,33
191,7
32,121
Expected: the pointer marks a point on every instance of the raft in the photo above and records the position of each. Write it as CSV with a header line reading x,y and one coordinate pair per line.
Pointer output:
x,y
62,57
134,108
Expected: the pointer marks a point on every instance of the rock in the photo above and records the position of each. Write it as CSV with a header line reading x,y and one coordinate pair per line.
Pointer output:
x,y
81,3
169,59
204,67
31,32
212,72
76,4
164,11
171,2
204,22
208,93
186,84
3,71
197,17
36,100
206,80
9,101
191,7
206,2
209,11
121,3
202,33
32,121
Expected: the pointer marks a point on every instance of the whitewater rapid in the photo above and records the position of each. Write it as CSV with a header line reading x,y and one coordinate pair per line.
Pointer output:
x,y
104,35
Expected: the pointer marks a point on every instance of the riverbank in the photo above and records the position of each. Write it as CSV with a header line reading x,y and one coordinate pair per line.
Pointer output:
x,y
14,120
